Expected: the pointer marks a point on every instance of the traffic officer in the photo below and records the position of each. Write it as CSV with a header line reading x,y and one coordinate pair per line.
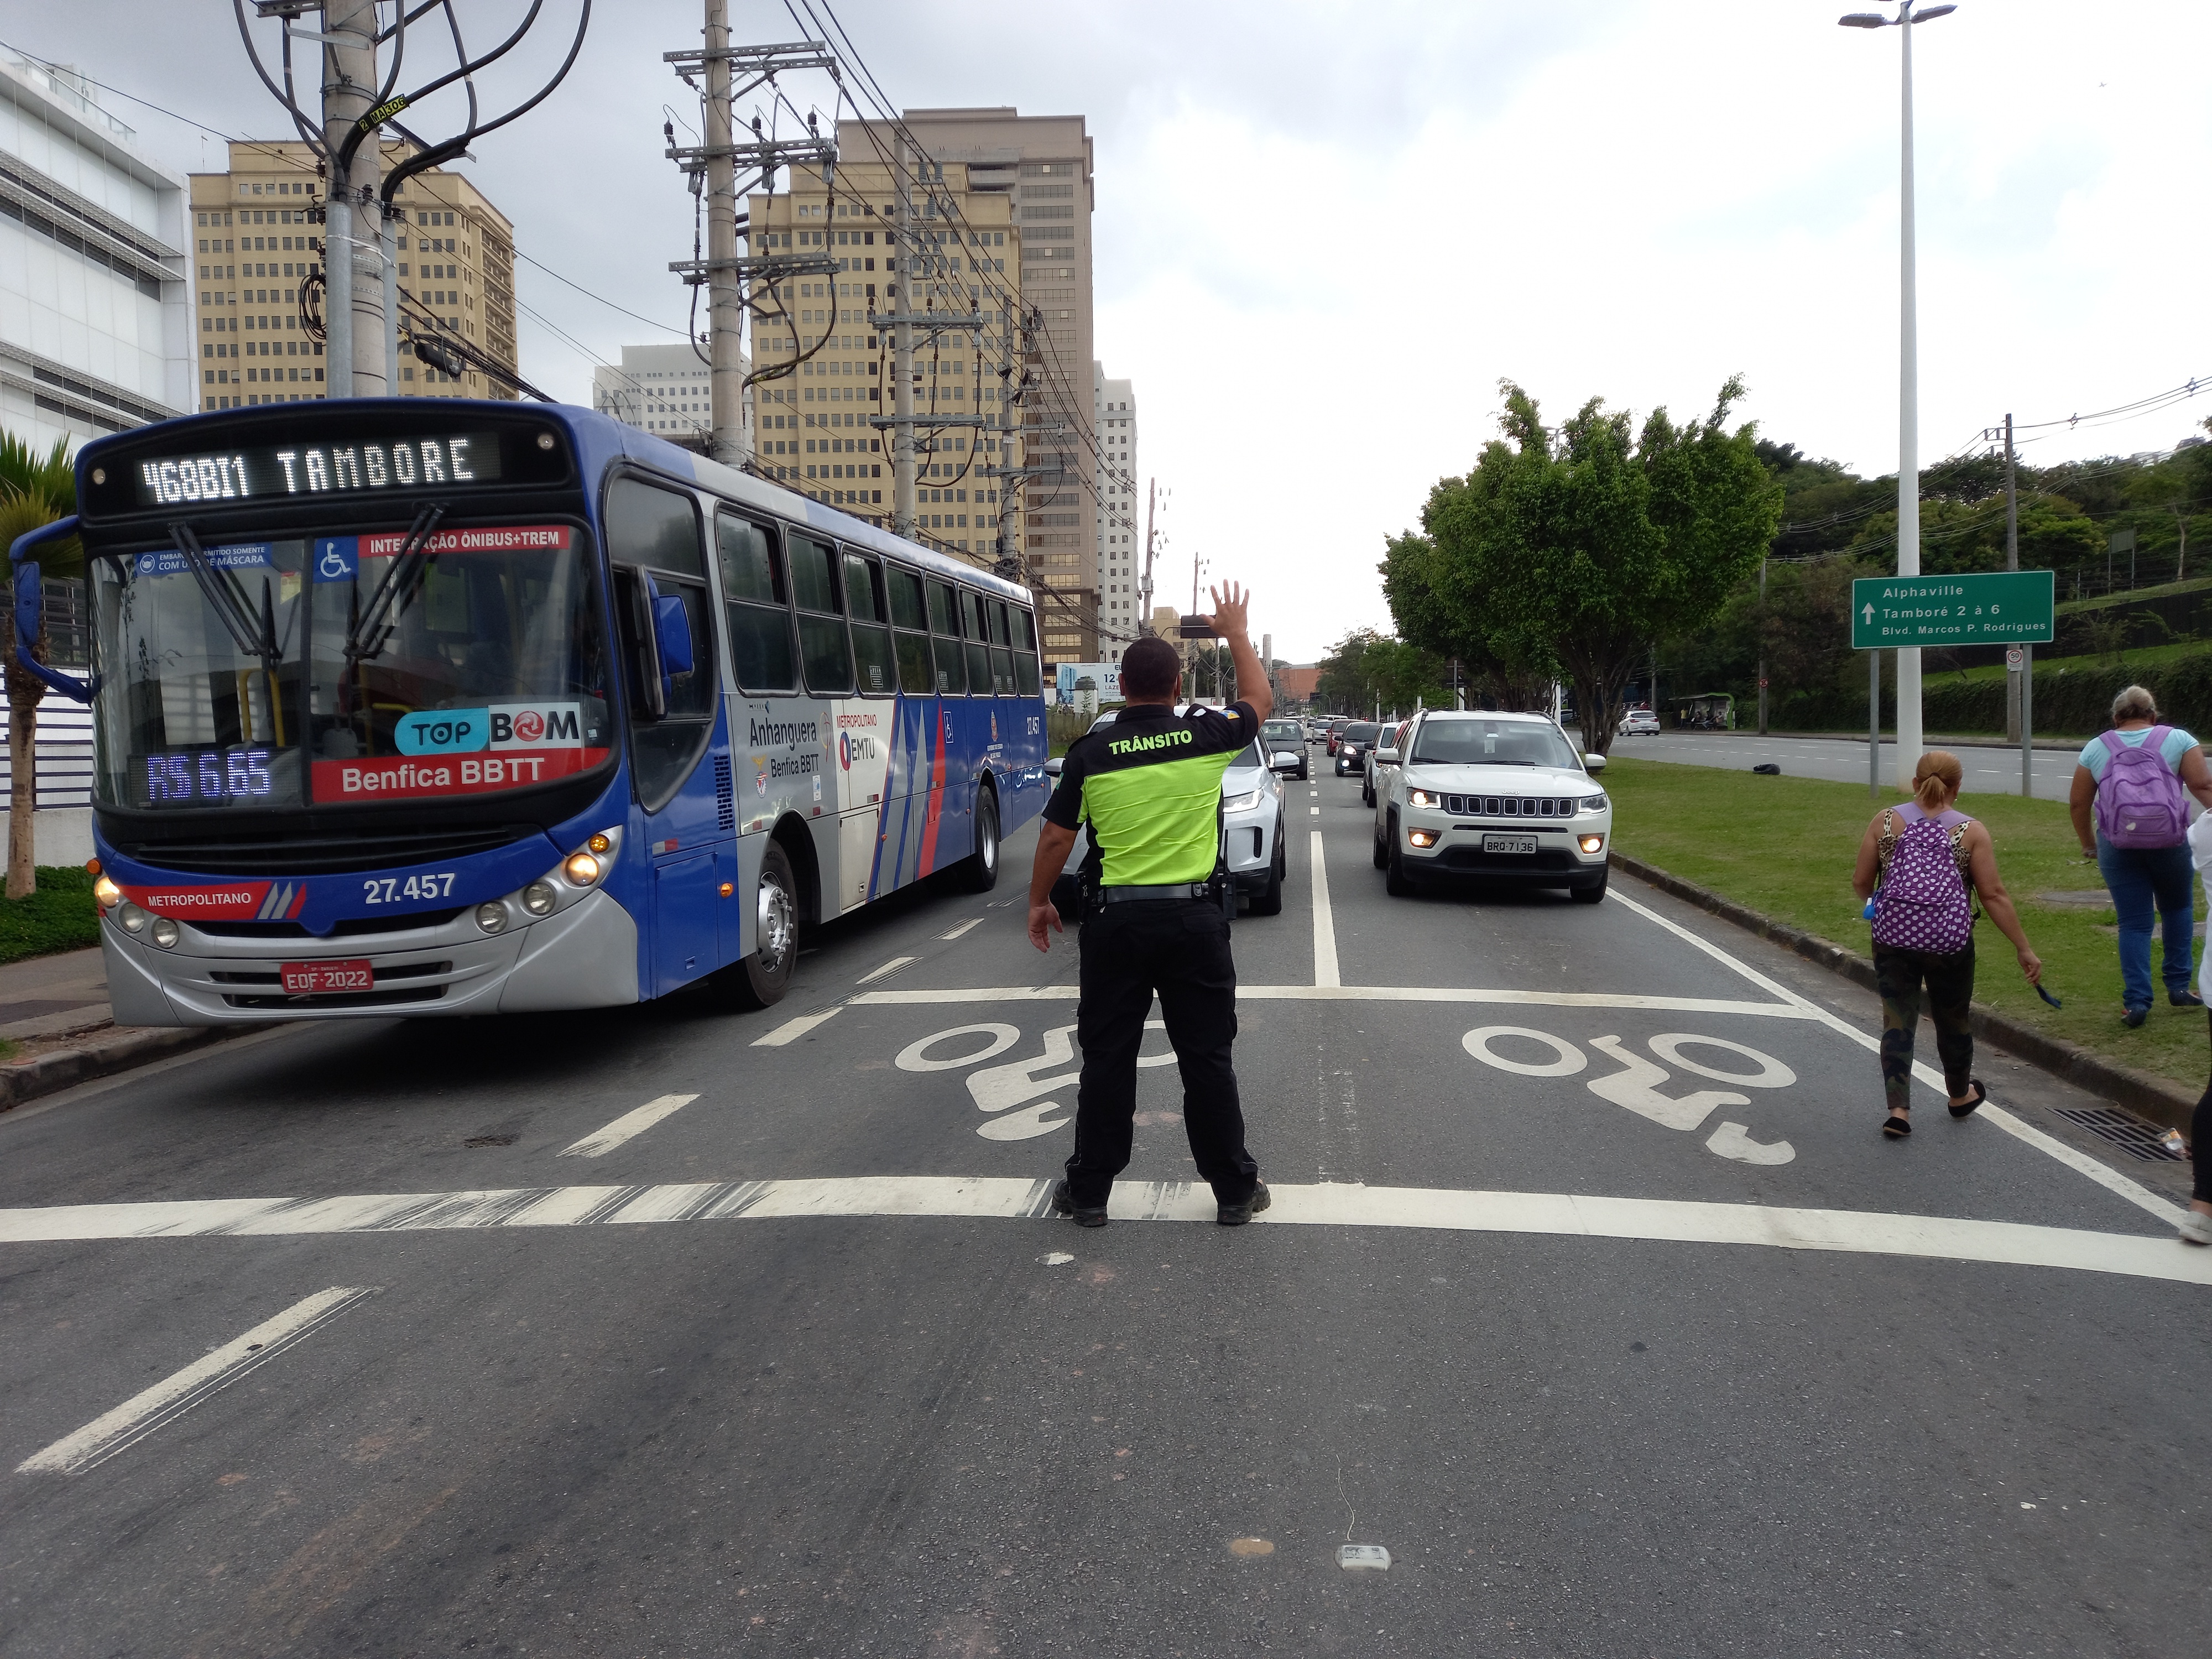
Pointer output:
x,y
1153,917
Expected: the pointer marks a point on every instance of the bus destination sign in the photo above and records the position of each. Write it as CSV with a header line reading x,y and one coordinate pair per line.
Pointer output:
x,y
444,462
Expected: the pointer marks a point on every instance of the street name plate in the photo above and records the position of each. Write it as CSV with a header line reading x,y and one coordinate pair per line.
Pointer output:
x,y
2003,607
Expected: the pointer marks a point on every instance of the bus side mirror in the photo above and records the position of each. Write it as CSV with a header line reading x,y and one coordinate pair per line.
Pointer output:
x,y
671,629
30,604
31,613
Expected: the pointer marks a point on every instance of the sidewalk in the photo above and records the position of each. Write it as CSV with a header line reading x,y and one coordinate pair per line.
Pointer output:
x,y
55,1010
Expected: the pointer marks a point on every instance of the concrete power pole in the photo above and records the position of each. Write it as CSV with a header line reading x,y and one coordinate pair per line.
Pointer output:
x,y
1144,586
902,298
725,295
352,243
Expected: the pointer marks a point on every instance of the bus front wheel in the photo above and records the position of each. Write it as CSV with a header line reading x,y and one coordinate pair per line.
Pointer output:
x,y
761,980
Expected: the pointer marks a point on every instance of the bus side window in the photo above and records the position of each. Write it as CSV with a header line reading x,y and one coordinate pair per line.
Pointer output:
x,y
1025,657
871,641
910,618
823,648
1002,658
979,648
759,606
945,624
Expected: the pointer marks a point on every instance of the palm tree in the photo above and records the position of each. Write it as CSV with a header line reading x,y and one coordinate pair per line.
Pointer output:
x,y
34,491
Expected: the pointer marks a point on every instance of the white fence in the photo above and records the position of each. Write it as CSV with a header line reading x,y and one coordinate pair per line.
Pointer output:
x,y
64,752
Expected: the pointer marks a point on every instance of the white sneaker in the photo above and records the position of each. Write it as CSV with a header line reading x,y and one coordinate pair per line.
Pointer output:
x,y
2195,1227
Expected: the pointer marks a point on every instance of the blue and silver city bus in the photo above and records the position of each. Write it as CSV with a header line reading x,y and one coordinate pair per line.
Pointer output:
x,y
453,707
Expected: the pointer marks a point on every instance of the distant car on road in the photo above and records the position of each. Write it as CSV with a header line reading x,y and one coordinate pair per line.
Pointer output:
x,y
1287,738
1336,730
1252,819
1639,723
1386,741
1352,746
1493,795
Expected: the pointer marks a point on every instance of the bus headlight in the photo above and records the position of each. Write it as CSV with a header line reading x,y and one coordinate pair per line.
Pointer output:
x,y
491,916
583,870
165,932
537,899
106,894
133,919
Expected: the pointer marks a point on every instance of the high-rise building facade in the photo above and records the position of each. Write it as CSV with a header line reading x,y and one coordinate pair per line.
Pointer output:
x,y
96,298
663,389
255,242
1120,536
1033,175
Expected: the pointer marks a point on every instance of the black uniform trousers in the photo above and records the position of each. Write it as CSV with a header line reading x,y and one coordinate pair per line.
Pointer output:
x,y
1179,948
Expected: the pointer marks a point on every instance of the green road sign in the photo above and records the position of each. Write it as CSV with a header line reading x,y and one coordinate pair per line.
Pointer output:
x,y
2003,607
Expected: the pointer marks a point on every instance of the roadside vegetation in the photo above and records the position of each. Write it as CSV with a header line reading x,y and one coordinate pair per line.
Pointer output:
x,y
59,915
1784,846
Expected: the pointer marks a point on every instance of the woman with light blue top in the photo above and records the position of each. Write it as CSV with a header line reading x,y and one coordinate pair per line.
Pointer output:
x,y
2131,814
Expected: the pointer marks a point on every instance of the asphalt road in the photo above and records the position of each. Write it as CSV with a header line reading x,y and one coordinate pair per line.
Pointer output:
x,y
1989,771
678,1331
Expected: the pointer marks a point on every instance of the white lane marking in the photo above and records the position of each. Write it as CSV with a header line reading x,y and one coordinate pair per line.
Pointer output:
x,y
1313,811
2112,1180
792,1029
972,922
600,1142
1325,970
1356,994
891,966
171,1398
2138,1256
1313,794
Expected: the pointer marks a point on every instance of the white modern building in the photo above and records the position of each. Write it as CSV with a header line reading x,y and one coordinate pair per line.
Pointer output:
x,y
95,291
663,389
1120,514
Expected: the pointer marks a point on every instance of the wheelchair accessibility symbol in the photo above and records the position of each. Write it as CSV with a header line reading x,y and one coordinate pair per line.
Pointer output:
x,y
336,560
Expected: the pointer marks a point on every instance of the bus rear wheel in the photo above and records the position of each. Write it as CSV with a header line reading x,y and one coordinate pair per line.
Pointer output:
x,y
761,980
979,872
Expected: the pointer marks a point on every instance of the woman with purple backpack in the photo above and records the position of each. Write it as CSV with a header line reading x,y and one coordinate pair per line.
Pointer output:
x,y
2133,776
1917,862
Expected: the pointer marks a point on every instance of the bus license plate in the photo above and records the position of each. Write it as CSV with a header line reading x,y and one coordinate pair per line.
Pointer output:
x,y
1509,843
303,979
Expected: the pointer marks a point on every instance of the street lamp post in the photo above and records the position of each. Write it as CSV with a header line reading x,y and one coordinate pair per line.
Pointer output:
x,y
1908,388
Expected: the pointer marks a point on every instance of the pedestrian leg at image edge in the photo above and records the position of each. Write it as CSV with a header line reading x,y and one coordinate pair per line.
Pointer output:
x,y
2196,1220
1899,976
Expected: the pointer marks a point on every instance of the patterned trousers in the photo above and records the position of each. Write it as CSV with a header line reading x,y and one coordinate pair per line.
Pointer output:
x,y
1899,975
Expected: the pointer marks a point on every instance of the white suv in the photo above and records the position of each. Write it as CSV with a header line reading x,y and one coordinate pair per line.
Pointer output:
x,y
1494,796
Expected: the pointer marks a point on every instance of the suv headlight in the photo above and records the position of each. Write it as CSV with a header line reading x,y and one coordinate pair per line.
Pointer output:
x,y
1244,803
1590,804
1423,798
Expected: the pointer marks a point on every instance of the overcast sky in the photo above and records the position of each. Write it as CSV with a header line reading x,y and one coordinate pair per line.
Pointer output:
x,y
1325,232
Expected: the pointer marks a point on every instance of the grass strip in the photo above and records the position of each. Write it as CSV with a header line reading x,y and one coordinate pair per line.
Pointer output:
x,y
1784,846
59,916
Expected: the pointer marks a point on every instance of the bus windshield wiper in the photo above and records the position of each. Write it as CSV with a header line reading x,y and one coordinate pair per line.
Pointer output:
x,y
255,633
380,615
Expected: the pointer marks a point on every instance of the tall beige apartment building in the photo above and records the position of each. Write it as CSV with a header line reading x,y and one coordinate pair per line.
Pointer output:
x,y
254,242
1029,178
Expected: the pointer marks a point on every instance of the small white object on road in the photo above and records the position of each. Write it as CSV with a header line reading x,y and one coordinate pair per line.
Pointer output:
x,y
627,1126
1363,1558
1056,1258
170,1398
972,922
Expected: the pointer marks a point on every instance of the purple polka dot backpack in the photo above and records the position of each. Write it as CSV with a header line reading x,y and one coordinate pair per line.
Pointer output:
x,y
1922,903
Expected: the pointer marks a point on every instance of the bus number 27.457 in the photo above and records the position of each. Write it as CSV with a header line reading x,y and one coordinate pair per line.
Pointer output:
x,y
393,890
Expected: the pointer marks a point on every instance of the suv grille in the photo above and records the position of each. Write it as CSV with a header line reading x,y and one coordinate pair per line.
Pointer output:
x,y
1508,806
312,855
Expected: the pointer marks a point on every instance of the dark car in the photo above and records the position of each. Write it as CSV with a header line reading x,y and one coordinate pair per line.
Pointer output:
x,y
1287,737
1352,746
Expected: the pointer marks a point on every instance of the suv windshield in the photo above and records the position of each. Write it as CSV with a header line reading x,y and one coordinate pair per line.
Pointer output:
x,y
1283,731
1458,741
344,669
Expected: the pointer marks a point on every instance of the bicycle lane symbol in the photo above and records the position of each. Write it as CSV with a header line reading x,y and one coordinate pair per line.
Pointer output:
x,y
1006,1092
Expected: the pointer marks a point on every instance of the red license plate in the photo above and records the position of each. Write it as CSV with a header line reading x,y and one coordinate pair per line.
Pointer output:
x,y
308,978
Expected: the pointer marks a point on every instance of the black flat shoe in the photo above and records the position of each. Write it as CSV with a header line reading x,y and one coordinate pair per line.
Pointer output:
x,y
1236,1215
2184,998
2134,1017
1896,1128
1064,1204
1981,1094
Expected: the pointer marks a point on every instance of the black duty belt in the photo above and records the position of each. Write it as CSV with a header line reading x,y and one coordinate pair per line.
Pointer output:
x,y
1185,890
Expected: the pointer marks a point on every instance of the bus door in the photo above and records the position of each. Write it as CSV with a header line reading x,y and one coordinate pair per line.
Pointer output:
x,y
913,735
765,662
655,547
867,728
825,656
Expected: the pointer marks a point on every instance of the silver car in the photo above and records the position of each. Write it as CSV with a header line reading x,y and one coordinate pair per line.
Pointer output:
x,y
1251,819
1498,796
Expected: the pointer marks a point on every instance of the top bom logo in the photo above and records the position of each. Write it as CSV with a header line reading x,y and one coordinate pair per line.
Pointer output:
x,y
530,726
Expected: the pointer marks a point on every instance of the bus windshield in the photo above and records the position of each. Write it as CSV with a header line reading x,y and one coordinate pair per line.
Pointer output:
x,y
345,669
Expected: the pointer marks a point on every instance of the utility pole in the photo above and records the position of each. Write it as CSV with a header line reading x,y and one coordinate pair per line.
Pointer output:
x,y
1762,648
355,322
901,295
1144,586
2012,562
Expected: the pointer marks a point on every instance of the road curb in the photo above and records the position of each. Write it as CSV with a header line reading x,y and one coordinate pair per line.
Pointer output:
x,y
118,1051
2164,1103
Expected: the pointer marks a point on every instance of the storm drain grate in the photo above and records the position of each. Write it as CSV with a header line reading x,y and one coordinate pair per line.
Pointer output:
x,y
2129,1133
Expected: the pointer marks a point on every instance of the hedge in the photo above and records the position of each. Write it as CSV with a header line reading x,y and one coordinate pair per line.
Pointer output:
x,y
2073,701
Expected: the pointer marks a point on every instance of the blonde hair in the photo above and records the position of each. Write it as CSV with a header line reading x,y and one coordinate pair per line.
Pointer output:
x,y
1937,779
2134,704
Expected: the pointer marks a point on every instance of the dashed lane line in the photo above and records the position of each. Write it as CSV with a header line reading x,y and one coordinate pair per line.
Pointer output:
x,y
171,1398
1325,968
600,1142
891,966
972,922
2049,1146
792,1029
1672,1221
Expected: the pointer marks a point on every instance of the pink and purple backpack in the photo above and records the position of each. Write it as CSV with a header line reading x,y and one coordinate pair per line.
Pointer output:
x,y
2139,800
1922,903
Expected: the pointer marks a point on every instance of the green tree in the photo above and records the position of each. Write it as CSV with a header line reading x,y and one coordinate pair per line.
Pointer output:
x,y
34,491
1414,579
1582,549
